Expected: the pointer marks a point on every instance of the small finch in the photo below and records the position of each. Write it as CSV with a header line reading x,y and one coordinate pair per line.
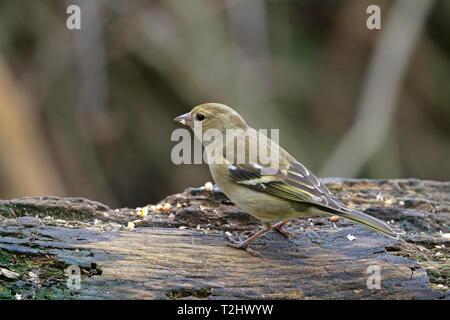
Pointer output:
x,y
274,192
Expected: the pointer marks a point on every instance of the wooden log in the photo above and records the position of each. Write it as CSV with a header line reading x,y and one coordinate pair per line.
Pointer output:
x,y
155,259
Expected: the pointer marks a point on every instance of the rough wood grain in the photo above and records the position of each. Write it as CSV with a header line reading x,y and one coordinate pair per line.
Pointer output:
x,y
40,237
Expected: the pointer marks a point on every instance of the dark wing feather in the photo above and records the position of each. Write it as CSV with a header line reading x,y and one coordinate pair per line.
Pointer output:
x,y
294,182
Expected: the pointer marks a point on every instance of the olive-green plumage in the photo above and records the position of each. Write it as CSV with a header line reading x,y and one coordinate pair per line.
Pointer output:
x,y
271,193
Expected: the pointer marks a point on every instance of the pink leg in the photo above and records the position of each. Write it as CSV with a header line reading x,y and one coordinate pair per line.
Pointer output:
x,y
279,227
244,244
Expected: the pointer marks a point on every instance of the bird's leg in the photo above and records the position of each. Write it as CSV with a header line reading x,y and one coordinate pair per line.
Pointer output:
x,y
244,244
279,227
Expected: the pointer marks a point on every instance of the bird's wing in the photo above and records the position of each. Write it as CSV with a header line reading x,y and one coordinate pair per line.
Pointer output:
x,y
289,179
292,181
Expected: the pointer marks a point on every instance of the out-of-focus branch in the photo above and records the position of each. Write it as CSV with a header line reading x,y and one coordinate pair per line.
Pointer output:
x,y
93,92
90,55
25,163
248,31
382,86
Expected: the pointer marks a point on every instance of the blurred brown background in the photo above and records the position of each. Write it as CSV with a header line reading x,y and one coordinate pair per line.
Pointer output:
x,y
89,112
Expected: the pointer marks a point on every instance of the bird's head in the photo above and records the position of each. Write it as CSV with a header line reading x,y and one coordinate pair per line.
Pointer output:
x,y
213,116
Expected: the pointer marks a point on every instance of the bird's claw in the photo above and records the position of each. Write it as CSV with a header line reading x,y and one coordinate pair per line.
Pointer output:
x,y
242,245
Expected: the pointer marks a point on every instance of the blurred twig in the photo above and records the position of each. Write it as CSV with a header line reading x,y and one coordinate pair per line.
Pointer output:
x,y
382,87
27,167
90,55
93,91
251,51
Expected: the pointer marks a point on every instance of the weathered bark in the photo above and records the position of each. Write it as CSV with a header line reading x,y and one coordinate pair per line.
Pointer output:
x,y
157,260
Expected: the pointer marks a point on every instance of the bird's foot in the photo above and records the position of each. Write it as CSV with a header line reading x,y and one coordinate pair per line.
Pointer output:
x,y
244,245
279,227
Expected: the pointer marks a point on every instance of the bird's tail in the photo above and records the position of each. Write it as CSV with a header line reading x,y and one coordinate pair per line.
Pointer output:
x,y
372,223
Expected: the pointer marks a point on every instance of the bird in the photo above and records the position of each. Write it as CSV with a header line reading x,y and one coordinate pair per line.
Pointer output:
x,y
274,194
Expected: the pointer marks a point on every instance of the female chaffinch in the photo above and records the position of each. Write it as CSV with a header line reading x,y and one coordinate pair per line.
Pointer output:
x,y
272,193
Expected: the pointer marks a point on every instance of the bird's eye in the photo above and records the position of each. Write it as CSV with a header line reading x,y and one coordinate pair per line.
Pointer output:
x,y
200,117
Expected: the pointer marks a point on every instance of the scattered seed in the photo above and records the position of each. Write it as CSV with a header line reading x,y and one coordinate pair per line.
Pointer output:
x,y
334,219
209,186
144,212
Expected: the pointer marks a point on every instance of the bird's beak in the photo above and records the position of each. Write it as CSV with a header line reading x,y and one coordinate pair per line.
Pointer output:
x,y
185,119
